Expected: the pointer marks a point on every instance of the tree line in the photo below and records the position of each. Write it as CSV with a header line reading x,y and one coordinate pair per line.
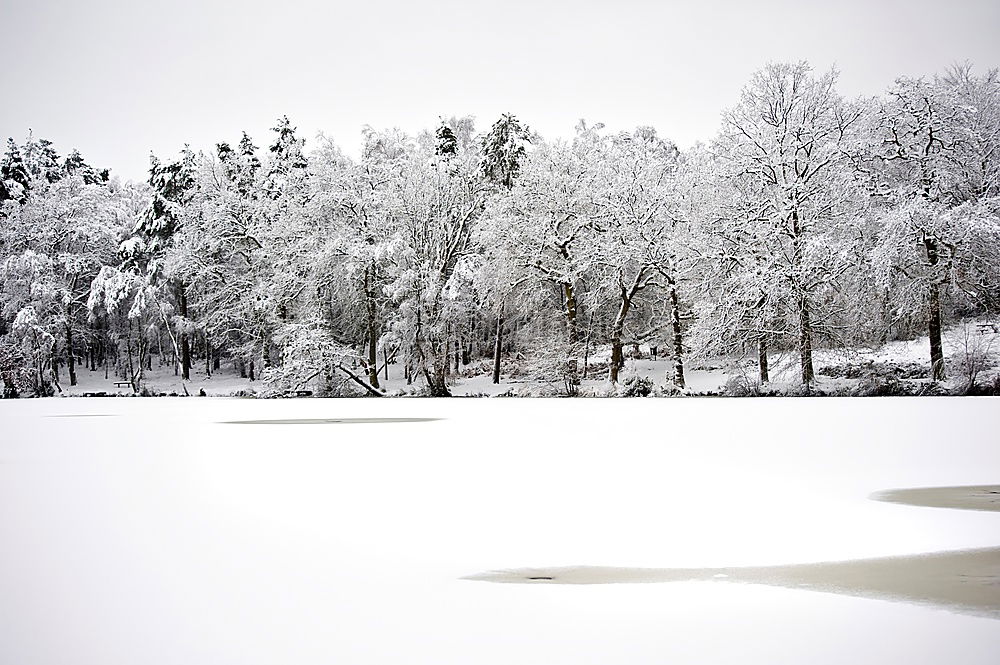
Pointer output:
x,y
809,221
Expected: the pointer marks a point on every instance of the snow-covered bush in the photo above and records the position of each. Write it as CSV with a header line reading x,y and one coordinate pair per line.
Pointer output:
x,y
636,386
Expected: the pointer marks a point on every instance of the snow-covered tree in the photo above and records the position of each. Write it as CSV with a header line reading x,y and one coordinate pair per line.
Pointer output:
x,y
792,134
935,168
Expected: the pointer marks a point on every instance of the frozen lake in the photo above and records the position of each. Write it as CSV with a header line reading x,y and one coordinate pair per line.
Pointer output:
x,y
156,531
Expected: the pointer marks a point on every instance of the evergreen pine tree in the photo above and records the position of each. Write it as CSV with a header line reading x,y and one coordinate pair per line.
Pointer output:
x,y
503,150
447,142
15,181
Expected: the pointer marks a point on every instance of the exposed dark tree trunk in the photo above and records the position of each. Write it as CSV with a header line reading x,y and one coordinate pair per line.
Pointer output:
x,y
371,368
569,295
467,348
805,342
128,353
70,359
617,328
372,329
934,314
805,324
498,346
586,345
185,342
762,358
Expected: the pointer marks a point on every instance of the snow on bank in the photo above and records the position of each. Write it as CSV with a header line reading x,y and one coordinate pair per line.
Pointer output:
x,y
963,344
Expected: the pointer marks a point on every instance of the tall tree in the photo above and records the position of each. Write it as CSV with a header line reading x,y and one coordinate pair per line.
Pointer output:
x,y
790,134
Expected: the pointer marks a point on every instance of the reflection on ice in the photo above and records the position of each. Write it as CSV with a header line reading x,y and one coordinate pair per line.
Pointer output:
x,y
969,497
966,581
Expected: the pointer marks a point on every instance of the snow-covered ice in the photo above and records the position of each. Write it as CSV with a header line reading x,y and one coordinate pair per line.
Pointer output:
x,y
157,533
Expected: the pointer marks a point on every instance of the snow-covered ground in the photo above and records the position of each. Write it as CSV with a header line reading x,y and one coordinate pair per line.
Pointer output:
x,y
155,532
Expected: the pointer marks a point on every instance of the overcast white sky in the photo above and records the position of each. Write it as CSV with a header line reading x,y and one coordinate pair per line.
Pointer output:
x,y
118,78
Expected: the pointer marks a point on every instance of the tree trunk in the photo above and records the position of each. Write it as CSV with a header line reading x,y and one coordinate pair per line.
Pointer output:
x,y
70,360
762,358
128,353
805,342
675,326
372,326
467,348
436,378
569,294
616,337
372,362
185,342
497,345
934,314
805,325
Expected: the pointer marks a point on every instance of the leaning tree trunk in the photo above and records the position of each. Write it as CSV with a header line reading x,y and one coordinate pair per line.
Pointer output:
x,y
934,314
675,326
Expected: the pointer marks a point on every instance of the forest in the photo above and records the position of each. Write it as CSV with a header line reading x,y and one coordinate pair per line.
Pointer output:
x,y
811,222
